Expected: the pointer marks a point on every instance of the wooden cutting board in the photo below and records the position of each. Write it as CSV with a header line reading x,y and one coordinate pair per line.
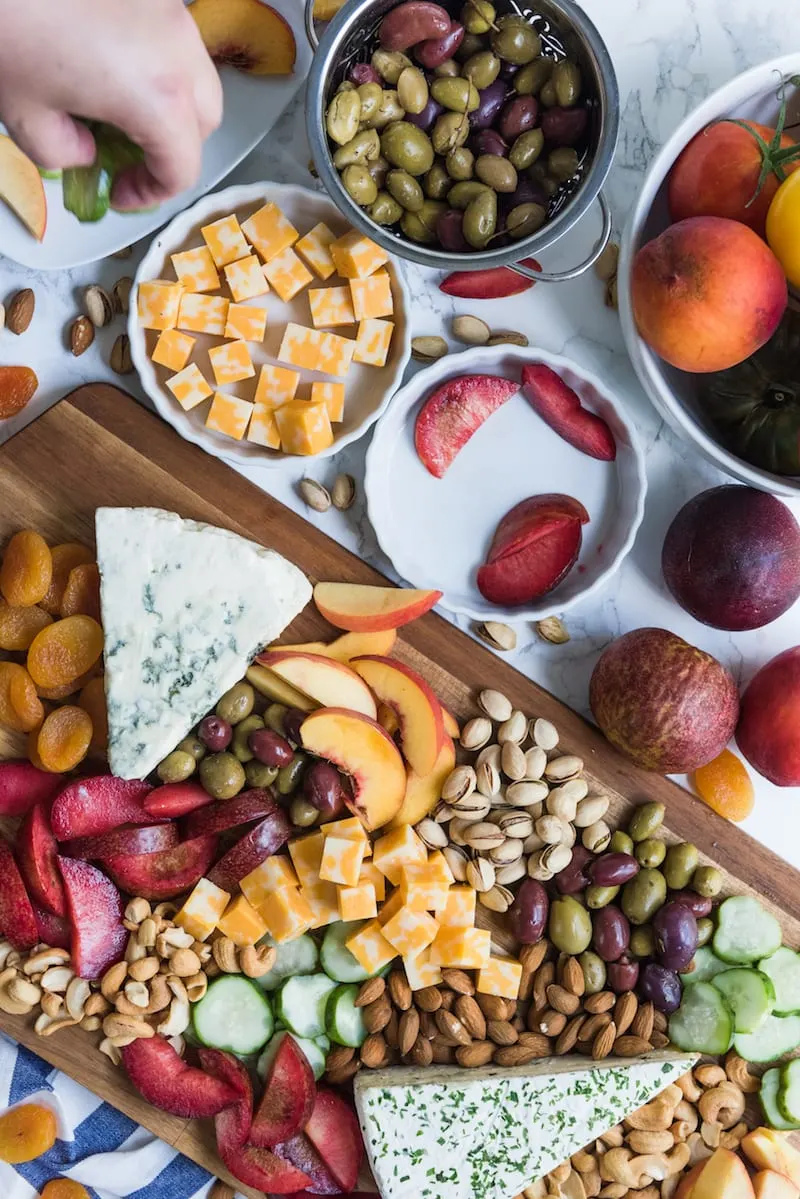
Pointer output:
x,y
100,447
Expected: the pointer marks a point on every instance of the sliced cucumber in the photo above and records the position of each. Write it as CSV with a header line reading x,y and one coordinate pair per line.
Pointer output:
x,y
312,1050
324,1043
336,959
783,967
300,1003
789,1090
776,1036
299,956
768,1097
703,1022
343,1020
745,931
706,965
234,1015
750,995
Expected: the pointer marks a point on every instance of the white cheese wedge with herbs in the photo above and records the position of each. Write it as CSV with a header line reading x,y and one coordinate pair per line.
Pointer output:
x,y
446,1133
185,607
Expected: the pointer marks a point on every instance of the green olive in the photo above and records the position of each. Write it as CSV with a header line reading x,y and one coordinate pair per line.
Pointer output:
x,y
421,226
480,220
526,149
563,163
471,44
525,220
437,182
302,813
566,83
405,189
461,195
497,173
222,775
530,80
290,776
477,16
594,972
705,930
258,775
460,163
600,897
343,117
450,131
371,97
620,842
679,865
482,69
176,767
237,703
384,210
547,94
407,147
346,85
643,941
515,41
538,173
359,184
644,895
650,853
192,745
379,169
459,95
239,746
274,716
390,64
570,925
412,90
707,881
646,820
448,69
390,110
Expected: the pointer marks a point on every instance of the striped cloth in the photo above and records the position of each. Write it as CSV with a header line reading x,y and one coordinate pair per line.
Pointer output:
x,y
97,1145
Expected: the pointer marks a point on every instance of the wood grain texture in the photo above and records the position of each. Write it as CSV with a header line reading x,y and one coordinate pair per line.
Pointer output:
x,y
99,447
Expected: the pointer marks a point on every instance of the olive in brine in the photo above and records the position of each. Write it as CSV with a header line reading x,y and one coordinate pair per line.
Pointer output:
x,y
421,226
680,865
385,210
457,95
192,745
462,194
547,94
359,184
566,80
563,163
412,90
460,164
390,64
290,776
405,189
176,767
470,44
222,775
497,173
514,40
407,147
643,896
570,925
258,775
240,746
437,182
530,80
237,703
343,117
378,169
390,110
480,219
477,16
450,131
482,69
371,97
526,149
365,146
527,916
448,69
525,220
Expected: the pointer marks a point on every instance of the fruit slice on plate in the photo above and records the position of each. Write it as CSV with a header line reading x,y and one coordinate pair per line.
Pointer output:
x,y
288,1098
333,1130
561,408
488,285
723,1176
176,799
95,805
453,413
37,854
363,609
17,920
366,753
166,874
533,518
164,1079
299,1152
142,839
415,704
246,34
53,930
277,689
424,792
346,647
95,911
21,187
255,804
22,786
229,1070
330,683
534,548
270,835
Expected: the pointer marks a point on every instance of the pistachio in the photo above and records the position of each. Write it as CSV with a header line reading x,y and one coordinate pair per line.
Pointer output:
x,y
99,305
516,824
552,830
343,492
121,294
507,853
471,330
590,810
537,869
596,837
457,860
612,294
513,761
514,729
552,629
431,834
499,636
314,495
490,754
606,266
442,813
476,733
565,767
508,337
428,349
483,836
459,783
480,875
472,807
488,779
535,762
120,358
495,705
507,875
544,734
497,898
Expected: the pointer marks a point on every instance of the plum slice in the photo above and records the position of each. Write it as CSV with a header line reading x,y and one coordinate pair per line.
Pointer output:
x,y
533,518
53,930
141,839
560,407
176,799
288,1098
250,850
17,919
534,570
165,874
299,1151
239,1115
88,807
164,1079
453,412
37,855
493,284
333,1130
22,786
95,911
218,817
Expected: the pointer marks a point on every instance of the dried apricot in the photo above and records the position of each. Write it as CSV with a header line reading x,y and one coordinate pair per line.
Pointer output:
x,y
93,700
26,1132
65,558
726,786
27,569
64,1188
64,651
20,706
64,738
19,626
82,592
17,387
66,689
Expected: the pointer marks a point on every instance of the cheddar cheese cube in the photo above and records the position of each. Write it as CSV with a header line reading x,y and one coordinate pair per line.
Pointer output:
x,y
331,306
459,911
229,415
341,861
269,231
300,347
420,891
315,249
352,828
371,874
335,353
203,910
358,903
391,907
401,847
203,314
196,270
263,428
242,923
246,279
332,396
356,256
158,304
372,297
421,972
370,948
438,868
286,914
323,900
173,349
231,362
189,387
276,386
468,948
245,323
225,240
501,977
373,342
410,931
287,275
304,428
274,873
306,855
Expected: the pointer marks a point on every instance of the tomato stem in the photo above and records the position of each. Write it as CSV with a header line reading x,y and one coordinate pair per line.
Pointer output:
x,y
773,155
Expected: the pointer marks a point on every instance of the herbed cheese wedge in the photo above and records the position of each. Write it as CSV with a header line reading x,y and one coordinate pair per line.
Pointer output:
x,y
185,608
445,1133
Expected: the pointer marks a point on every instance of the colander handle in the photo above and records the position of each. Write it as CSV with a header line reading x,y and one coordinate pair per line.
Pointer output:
x,y
310,27
576,271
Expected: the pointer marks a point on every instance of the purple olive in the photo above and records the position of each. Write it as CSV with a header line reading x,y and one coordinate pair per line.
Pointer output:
x,y
292,721
529,191
518,116
622,976
698,905
423,120
573,879
528,914
661,987
564,126
613,869
611,933
492,99
270,748
363,72
508,69
437,50
675,929
323,787
215,733
488,141
449,230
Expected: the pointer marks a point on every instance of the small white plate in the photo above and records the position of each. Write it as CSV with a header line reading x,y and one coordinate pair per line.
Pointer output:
x,y
437,531
368,389
252,106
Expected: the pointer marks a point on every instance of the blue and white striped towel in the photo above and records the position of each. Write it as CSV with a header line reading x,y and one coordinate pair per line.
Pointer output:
x,y
97,1145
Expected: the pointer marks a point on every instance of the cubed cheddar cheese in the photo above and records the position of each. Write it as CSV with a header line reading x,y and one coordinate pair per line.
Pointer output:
x,y
372,297
300,347
410,931
315,249
286,914
468,948
304,428
306,855
246,279
335,353
269,231
358,903
331,306
287,275
332,396
203,314
356,256
370,948
196,270
391,907
245,323
341,861
229,415
401,847
274,873
421,972
323,900
263,428
158,303
422,892
231,362
173,349
276,386
371,874
502,976
189,387
242,923
351,828
203,910
225,240
438,868
459,911
373,342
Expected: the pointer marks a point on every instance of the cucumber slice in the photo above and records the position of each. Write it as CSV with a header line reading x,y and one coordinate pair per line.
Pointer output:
x,y
784,970
312,1050
86,191
299,956
703,1022
768,1098
776,1036
750,995
301,1001
343,1020
234,1015
745,931
706,965
336,959
789,1091
324,1043
47,174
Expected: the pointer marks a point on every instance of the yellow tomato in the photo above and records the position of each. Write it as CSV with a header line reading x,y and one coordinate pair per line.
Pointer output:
x,y
783,227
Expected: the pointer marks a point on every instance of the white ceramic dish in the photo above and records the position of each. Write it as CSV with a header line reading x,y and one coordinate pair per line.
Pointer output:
x,y
368,388
674,393
252,106
437,531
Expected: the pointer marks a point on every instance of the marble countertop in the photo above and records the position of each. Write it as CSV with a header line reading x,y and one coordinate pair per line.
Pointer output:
x,y
668,57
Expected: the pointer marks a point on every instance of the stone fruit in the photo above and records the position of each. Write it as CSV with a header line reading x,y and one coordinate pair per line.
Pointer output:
x,y
769,1150
769,728
488,285
365,752
164,874
21,187
22,786
160,1075
246,34
423,792
88,807
455,411
330,683
724,1174
265,838
37,858
288,1099
333,1131
349,645
707,293
665,704
535,546
418,711
363,609
731,558
560,407
17,919
95,910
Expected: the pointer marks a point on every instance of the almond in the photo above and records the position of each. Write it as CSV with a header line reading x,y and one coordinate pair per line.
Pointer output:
x,y
374,1051
471,1016
428,999
371,990
391,1033
81,336
338,1056
343,1074
603,1001
479,1053
502,1032
572,977
516,1055
459,981
19,313
593,1025
378,1014
408,1031
494,1007
551,1023
542,979
624,1011
443,1055
658,1040
421,1052
660,1021
448,1000
630,1046
642,1024
400,991
450,1026
562,1000
603,1043
569,1037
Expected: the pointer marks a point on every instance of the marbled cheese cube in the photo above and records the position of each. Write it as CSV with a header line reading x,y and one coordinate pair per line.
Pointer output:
x,y
300,347
304,428
287,275
286,914
158,303
203,314
356,256
331,306
501,977
203,909
372,297
358,902
341,861
263,428
332,396
391,907
323,900
315,249
225,240
410,931
373,342
459,911
274,872
306,855
195,269
467,948
229,415
245,323
420,891
421,972
371,874
350,828
173,349
269,231
370,948
438,869
189,387
401,847
246,279
335,353
276,386
242,923
231,362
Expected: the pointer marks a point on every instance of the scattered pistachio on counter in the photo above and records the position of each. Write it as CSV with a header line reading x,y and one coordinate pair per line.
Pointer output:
x,y
314,495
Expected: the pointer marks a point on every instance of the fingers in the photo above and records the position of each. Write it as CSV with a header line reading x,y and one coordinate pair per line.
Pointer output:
x,y
208,98
173,158
52,139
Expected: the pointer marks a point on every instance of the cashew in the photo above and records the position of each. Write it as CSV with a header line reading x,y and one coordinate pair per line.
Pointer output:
x,y
160,995
184,963
14,958
642,1141
173,938
657,1115
613,1138
178,1044
739,1074
723,1105
686,1113
97,1005
592,1183
536,1190
650,1192
134,952
689,1088
709,1075
177,1021
178,988
46,1025
196,986
583,1161
52,1004
77,997
734,1136
110,1050
681,1129
572,1187
6,948
146,936
711,1134
226,955
165,910
619,1165
257,960
24,991
57,978
113,980
91,1023
137,910
561,1173
669,1186
698,1149
117,1025
9,1005
38,962
614,1190
145,969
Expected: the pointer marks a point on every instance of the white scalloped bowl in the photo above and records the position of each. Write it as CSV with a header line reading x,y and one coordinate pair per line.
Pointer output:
x,y
437,531
368,388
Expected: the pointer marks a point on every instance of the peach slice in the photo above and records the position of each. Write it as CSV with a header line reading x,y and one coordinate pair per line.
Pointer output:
x,y
723,1176
363,609
367,754
387,719
770,1150
349,645
278,690
418,710
769,1185
246,34
330,683
450,724
424,792
21,187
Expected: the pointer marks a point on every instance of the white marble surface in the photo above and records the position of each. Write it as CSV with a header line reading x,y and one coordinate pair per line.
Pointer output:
x,y
668,56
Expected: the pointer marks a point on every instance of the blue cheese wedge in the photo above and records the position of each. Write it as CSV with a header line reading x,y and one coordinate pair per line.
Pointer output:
x,y
185,607
444,1133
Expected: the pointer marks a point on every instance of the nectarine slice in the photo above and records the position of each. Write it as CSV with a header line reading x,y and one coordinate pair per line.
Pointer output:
x,y
246,34
723,1176
769,1185
770,1150
450,724
332,684
424,792
349,645
21,187
367,754
278,690
416,705
363,609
